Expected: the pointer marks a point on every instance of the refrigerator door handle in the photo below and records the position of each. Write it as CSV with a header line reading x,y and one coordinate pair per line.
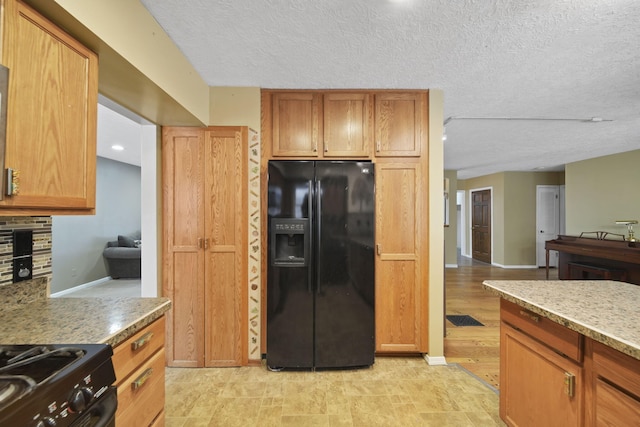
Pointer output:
x,y
309,237
318,197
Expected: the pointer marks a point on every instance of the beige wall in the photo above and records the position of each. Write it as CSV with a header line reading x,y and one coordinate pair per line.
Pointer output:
x,y
235,106
602,190
435,217
513,214
451,232
496,183
520,215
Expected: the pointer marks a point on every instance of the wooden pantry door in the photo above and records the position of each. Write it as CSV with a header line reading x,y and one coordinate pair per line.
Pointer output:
x,y
225,218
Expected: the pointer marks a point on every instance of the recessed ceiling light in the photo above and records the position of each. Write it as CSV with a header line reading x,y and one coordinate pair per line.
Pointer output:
x,y
117,147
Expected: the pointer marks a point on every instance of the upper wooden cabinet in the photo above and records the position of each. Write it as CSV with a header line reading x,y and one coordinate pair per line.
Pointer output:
x,y
344,124
296,124
347,124
399,119
51,116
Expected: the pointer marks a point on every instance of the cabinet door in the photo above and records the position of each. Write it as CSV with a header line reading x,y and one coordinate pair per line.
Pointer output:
x,y
225,215
400,124
183,243
204,222
400,299
296,124
347,124
616,387
538,387
51,114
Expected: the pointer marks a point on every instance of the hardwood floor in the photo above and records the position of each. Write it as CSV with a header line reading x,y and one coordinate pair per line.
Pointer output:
x,y
477,348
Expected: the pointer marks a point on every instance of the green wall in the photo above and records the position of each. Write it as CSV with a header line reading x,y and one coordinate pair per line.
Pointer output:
x,y
601,191
513,213
451,231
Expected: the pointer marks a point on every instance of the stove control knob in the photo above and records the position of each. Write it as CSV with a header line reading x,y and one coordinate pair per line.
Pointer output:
x,y
46,422
80,399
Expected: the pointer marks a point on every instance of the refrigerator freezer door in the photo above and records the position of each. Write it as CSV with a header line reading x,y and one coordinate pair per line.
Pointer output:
x,y
289,286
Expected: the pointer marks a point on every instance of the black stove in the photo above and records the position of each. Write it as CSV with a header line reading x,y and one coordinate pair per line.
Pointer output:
x,y
56,385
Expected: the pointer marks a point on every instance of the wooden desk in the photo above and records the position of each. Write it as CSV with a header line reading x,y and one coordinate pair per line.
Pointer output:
x,y
586,258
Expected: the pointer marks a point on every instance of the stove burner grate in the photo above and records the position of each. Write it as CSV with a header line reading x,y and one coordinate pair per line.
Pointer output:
x,y
14,386
39,362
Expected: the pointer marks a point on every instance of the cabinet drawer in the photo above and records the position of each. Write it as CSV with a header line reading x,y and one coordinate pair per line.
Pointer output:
x,y
141,395
617,368
554,335
128,355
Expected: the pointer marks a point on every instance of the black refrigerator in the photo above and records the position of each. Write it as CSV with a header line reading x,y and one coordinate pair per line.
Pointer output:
x,y
320,270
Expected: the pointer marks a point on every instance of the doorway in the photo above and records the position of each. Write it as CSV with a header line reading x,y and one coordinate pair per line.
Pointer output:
x,y
549,220
481,225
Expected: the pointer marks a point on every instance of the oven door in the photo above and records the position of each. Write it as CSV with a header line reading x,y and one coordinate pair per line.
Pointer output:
x,y
102,413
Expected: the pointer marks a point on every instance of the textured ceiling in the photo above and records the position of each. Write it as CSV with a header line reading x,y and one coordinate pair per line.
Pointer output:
x,y
492,58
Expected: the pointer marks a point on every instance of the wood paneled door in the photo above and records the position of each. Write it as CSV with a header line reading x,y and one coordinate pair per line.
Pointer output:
x,y
481,225
205,239
400,298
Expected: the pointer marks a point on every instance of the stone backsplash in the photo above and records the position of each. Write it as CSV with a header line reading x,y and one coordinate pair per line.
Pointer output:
x,y
41,227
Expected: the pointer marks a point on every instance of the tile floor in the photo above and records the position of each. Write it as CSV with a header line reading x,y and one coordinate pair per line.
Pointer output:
x,y
396,391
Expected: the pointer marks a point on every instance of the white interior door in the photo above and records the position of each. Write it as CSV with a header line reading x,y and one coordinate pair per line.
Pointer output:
x,y
547,221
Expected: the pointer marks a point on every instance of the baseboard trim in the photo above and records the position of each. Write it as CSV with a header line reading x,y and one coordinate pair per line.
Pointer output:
x,y
451,266
514,266
83,286
434,360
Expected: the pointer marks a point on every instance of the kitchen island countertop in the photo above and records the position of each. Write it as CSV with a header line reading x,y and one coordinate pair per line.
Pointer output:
x,y
79,320
604,310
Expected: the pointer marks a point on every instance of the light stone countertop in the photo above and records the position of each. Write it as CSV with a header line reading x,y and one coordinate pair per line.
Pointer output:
x,y
78,320
605,310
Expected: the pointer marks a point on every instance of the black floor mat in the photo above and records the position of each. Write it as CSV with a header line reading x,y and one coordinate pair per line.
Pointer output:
x,y
463,320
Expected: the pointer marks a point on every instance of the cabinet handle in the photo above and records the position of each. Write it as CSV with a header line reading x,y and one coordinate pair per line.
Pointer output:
x,y
530,316
569,384
378,249
200,242
139,382
142,341
378,145
13,182
206,243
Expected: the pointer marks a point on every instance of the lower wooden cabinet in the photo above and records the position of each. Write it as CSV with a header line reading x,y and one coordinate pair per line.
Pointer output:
x,y
139,363
615,387
538,387
553,376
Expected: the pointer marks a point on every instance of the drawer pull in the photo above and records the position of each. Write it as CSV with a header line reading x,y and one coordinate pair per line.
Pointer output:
x,y
139,382
530,316
569,384
142,341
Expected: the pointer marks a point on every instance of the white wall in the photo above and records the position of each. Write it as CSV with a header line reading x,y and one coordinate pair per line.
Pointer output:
x,y
78,241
